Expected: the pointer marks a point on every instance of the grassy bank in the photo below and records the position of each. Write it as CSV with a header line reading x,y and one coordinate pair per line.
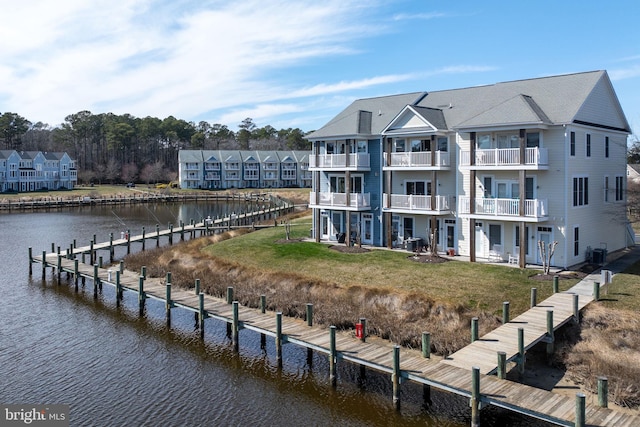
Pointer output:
x,y
399,297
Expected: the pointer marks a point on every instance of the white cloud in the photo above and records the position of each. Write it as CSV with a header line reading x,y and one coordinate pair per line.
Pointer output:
x,y
625,73
147,57
420,16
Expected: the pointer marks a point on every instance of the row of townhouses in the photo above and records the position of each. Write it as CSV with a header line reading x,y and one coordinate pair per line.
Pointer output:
x,y
485,172
222,169
22,171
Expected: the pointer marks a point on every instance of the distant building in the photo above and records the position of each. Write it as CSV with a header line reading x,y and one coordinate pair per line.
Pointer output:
x,y
486,172
633,172
225,169
24,171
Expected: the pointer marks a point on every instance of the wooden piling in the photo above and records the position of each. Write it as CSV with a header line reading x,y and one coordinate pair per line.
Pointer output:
x,y
111,247
235,326
580,410
395,377
128,236
143,238
95,280
521,355
263,303
309,314
603,392
505,312
170,234
229,294
167,299
44,264
157,235
576,309
363,322
59,267
332,355
426,345
75,273
502,365
596,291
474,329
118,289
550,336
197,286
534,297
475,397
279,338
30,260
556,287
141,295
201,313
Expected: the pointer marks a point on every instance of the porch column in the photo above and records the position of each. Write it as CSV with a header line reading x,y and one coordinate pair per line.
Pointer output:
x,y
316,189
472,197
523,197
347,185
387,190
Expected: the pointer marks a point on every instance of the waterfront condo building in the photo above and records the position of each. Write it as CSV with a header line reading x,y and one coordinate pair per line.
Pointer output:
x,y
24,171
485,172
225,169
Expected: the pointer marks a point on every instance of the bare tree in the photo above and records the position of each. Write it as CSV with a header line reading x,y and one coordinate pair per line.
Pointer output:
x,y
546,254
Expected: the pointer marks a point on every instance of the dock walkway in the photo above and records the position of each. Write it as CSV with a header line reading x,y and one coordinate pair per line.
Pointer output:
x,y
461,373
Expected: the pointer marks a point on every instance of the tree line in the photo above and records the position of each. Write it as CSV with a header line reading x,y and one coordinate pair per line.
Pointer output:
x,y
122,148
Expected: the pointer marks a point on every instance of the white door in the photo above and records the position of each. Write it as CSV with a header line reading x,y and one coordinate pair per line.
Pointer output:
x,y
396,231
479,240
367,229
451,235
336,225
324,225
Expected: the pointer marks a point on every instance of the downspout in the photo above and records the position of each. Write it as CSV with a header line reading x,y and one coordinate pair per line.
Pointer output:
x,y
566,198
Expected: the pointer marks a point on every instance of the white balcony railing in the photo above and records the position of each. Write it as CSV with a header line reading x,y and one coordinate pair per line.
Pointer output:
x,y
417,203
356,200
212,166
534,156
212,176
339,161
534,208
420,159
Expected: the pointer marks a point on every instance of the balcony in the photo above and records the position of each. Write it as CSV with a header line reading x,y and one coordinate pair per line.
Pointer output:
x,y
212,176
506,158
357,162
270,166
212,166
358,201
424,160
504,209
192,166
416,204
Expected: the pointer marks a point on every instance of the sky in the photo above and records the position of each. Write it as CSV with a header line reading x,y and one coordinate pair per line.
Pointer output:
x,y
295,63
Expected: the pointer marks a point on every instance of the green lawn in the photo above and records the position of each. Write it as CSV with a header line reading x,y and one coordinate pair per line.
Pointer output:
x,y
624,292
471,285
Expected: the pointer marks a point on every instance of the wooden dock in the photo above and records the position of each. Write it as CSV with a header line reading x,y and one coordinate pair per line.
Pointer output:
x,y
464,373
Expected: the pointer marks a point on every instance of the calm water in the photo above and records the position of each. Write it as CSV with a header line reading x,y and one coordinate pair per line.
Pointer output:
x,y
116,369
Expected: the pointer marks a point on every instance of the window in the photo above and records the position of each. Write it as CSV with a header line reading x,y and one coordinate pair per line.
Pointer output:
x,y
606,146
407,223
417,188
606,188
573,143
418,145
580,191
495,235
487,182
619,188
588,145
398,146
576,241
361,146
330,148
443,143
533,139
484,142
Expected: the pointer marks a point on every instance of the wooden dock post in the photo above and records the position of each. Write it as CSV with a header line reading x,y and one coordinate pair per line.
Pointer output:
x,y
475,397
44,264
534,297
263,303
167,300
59,267
201,313
128,236
556,287
502,365
603,392
474,329
235,327
197,286
110,247
550,336
170,234
426,345
75,272
141,295
91,253
309,314
100,261
95,280
505,312
30,260
279,338
143,238
576,309
332,355
521,355
121,266
596,291
580,410
363,322
118,289
229,294
157,235
143,271
395,377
